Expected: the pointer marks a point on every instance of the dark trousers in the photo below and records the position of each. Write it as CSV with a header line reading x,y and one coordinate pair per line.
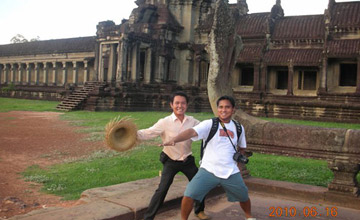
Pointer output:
x,y
170,169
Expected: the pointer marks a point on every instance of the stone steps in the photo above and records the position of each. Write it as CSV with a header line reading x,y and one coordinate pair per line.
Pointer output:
x,y
75,100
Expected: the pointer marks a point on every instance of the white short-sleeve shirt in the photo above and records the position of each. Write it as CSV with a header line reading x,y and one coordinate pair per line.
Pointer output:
x,y
218,155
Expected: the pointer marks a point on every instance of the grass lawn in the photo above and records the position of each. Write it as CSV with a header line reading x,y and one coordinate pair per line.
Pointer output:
x,y
10,104
70,178
314,123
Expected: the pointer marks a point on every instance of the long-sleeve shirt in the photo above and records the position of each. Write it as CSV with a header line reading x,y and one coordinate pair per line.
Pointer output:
x,y
168,128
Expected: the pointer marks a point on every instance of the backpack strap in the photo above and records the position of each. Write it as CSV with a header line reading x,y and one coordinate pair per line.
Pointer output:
x,y
238,129
214,127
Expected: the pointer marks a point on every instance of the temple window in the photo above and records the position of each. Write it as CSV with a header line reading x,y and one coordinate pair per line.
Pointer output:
x,y
246,77
348,72
307,80
281,79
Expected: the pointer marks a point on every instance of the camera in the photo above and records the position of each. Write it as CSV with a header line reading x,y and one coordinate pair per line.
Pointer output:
x,y
238,157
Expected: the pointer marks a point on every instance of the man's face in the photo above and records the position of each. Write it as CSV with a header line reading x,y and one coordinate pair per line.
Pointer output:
x,y
225,110
179,105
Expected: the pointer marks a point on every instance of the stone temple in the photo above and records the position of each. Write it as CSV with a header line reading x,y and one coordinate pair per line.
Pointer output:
x,y
305,67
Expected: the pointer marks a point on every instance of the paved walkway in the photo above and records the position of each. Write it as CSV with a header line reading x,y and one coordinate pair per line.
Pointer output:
x,y
268,208
270,200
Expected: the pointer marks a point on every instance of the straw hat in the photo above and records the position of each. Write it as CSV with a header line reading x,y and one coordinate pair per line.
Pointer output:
x,y
120,134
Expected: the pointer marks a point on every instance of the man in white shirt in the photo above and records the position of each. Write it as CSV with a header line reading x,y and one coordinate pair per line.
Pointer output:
x,y
175,158
217,165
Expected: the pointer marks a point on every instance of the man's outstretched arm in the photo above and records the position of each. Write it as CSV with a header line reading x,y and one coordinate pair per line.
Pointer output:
x,y
183,136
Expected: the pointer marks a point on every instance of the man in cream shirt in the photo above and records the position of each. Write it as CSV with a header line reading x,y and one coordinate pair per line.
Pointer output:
x,y
176,158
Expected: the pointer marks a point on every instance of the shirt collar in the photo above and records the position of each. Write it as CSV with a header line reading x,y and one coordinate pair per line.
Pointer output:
x,y
174,118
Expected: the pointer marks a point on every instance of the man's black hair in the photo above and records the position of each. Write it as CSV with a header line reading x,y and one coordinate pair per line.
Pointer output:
x,y
226,97
179,93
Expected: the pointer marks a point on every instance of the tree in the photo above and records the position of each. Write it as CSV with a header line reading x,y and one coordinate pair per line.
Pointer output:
x,y
21,39
37,38
18,39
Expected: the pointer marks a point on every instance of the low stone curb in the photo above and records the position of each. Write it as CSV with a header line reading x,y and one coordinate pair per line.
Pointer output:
x,y
128,201
302,192
125,201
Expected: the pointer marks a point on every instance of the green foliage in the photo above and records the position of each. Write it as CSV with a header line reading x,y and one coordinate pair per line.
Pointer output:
x,y
71,179
291,169
108,168
104,168
10,104
314,123
9,88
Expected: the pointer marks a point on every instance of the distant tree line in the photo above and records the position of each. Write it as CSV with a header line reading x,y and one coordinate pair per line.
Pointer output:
x,y
21,39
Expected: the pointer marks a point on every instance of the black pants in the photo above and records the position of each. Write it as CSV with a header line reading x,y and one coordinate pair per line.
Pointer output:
x,y
170,169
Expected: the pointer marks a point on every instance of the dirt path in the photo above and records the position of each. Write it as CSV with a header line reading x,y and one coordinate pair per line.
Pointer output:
x,y
29,138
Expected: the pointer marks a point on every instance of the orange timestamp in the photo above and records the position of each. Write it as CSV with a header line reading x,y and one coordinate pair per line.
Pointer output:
x,y
305,212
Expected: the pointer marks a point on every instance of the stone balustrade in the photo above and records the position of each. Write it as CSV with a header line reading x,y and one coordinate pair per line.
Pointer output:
x,y
339,147
46,73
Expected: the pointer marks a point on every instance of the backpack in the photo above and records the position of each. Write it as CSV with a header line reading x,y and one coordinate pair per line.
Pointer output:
x,y
213,130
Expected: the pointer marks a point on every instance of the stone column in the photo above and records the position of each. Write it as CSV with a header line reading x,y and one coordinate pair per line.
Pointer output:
x,y
160,70
147,74
119,61
86,71
2,68
358,76
54,73
345,171
172,70
135,62
46,73
19,73
1,72
128,65
263,76
97,62
75,73
100,74
6,78
13,73
28,73
64,73
190,77
122,61
290,90
37,72
198,69
323,76
256,85
204,75
112,62
185,67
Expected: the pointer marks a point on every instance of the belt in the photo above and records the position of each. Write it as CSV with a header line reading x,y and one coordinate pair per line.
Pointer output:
x,y
181,161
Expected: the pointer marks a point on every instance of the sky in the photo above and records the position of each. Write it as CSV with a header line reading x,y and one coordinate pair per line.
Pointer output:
x,y
56,19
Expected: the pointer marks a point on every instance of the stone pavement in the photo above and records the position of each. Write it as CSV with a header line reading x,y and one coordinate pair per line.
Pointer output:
x,y
128,201
268,208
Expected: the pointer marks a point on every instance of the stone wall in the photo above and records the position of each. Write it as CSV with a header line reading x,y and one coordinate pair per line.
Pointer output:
x,y
50,93
144,97
334,107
